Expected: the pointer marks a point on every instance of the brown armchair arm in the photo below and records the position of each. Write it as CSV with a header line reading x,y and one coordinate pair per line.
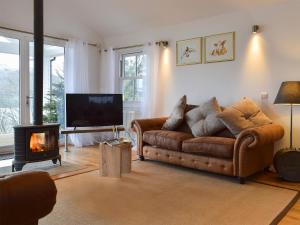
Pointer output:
x,y
254,148
142,125
26,197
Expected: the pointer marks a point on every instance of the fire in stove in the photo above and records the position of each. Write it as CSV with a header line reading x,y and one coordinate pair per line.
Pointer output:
x,y
38,142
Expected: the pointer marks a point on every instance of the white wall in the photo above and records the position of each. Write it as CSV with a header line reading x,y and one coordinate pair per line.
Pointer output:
x,y
262,62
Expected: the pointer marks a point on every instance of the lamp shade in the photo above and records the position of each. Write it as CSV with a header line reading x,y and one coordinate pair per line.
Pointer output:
x,y
289,93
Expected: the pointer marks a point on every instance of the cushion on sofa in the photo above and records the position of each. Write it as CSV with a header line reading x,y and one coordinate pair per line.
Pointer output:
x,y
203,120
176,116
171,140
218,147
242,115
184,127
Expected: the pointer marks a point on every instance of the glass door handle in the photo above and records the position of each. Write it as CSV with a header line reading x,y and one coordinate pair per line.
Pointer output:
x,y
28,99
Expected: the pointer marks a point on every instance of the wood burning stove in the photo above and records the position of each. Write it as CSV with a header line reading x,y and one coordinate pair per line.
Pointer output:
x,y
37,142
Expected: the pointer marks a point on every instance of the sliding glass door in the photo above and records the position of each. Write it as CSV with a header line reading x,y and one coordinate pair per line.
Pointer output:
x,y
9,90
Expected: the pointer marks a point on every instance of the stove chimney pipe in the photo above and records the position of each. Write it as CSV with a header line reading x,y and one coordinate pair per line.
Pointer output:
x,y
38,62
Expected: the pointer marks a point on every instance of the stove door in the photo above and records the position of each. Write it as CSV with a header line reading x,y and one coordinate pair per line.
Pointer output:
x,y
42,143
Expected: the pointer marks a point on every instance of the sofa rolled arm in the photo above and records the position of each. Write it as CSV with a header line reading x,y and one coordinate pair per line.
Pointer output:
x,y
262,135
141,125
254,149
26,197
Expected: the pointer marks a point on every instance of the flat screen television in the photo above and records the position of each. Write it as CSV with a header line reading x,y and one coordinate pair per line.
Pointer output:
x,y
87,110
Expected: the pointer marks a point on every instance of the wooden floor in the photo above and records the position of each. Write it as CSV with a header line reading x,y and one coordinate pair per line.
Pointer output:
x,y
84,155
92,155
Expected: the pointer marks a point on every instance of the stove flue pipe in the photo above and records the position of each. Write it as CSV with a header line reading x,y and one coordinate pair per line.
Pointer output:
x,y
38,62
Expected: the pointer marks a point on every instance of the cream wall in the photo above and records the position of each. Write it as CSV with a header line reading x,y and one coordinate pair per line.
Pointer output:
x,y
262,62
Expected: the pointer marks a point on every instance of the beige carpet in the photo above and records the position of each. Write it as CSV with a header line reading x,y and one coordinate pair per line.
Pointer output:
x,y
55,170
159,194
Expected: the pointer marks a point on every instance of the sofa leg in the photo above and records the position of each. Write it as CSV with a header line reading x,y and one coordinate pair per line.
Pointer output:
x,y
267,169
242,180
141,157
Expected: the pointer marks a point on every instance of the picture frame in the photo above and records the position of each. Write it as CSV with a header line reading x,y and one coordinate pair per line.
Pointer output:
x,y
189,51
219,47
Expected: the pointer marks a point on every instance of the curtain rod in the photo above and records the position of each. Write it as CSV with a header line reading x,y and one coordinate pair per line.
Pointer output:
x,y
47,36
126,47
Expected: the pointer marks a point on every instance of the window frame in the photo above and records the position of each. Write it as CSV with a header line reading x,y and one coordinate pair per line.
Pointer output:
x,y
121,77
24,70
47,41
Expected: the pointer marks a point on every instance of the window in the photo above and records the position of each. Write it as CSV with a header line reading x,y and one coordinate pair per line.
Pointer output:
x,y
133,72
9,89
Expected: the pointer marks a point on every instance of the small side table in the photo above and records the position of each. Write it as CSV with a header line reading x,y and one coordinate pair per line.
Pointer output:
x,y
116,159
287,164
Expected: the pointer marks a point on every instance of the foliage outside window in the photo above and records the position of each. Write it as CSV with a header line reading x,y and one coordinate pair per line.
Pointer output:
x,y
54,106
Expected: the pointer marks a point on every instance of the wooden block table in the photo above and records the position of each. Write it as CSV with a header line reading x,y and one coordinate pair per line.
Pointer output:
x,y
116,159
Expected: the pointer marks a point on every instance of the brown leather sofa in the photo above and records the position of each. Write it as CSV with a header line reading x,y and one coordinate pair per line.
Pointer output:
x,y
250,152
26,197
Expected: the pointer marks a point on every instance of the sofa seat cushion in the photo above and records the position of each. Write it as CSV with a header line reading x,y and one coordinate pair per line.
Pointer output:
x,y
218,147
171,140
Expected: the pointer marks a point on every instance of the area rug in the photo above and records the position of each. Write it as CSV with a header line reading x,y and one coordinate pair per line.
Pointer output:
x,y
55,171
159,194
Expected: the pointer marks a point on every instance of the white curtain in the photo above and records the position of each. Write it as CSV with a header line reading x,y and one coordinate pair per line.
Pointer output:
x,y
77,80
153,58
108,72
107,84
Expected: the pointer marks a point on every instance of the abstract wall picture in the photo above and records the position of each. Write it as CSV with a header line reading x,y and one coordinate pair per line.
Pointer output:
x,y
219,47
189,52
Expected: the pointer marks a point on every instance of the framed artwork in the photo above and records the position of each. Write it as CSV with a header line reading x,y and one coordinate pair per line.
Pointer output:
x,y
189,52
219,47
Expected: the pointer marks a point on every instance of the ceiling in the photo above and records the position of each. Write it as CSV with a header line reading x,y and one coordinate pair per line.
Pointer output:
x,y
116,17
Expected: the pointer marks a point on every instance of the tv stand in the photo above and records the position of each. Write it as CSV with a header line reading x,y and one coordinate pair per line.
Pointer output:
x,y
66,132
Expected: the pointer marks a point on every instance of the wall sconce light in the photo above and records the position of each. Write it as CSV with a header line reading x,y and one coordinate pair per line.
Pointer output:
x,y
162,43
255,29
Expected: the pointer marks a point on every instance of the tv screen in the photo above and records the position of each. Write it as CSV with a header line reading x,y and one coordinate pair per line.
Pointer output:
x,y
86,110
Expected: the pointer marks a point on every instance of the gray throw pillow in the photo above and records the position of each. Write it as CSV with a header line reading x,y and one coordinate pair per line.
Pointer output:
x,y
176,116
203,120
242,115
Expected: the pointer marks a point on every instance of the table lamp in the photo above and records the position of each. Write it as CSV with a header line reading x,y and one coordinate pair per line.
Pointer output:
x,y
289,94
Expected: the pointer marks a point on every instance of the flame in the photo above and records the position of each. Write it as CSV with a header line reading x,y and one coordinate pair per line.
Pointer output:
x,y
37,142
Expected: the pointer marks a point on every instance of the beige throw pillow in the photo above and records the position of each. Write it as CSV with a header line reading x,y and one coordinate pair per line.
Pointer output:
x,y
242,115
203,120
176,116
